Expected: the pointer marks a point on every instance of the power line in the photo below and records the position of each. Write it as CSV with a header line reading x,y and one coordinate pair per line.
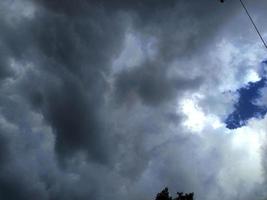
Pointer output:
x,y
244,6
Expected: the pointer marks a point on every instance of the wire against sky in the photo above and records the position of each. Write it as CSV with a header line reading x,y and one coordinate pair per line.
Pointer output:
x,y
244,6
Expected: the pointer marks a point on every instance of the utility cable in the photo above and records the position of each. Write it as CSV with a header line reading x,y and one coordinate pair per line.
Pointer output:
x,y
244,6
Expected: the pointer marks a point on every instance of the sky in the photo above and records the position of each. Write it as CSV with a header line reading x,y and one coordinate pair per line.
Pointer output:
x,y
250,103
119,99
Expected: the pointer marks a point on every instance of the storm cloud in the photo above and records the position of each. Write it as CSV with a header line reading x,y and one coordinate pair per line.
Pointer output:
x,y
118,99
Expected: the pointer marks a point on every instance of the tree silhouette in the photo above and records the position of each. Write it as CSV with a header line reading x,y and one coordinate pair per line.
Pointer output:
x,y
164,195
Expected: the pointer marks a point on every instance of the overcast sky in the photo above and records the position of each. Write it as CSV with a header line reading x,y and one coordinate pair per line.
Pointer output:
x,y
116,99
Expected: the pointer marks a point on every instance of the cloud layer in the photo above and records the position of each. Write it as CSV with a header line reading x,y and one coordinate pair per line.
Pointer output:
x,y
118,99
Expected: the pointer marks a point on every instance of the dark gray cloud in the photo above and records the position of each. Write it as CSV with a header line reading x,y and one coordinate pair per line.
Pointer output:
x,y
66,84
72,127
151,83
4,150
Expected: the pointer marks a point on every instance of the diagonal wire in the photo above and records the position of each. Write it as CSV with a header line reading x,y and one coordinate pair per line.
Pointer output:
x,y
244,6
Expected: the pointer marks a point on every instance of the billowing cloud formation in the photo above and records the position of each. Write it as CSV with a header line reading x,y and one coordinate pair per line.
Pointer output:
x,y
117,99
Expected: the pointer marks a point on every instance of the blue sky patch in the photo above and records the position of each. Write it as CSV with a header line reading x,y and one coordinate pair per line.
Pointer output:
x,y
245,108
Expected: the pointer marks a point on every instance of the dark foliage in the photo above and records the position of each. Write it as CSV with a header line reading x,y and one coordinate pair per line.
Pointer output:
x,y
164,195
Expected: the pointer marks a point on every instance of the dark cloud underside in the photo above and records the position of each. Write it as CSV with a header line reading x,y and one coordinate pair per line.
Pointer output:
x,y
74,127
